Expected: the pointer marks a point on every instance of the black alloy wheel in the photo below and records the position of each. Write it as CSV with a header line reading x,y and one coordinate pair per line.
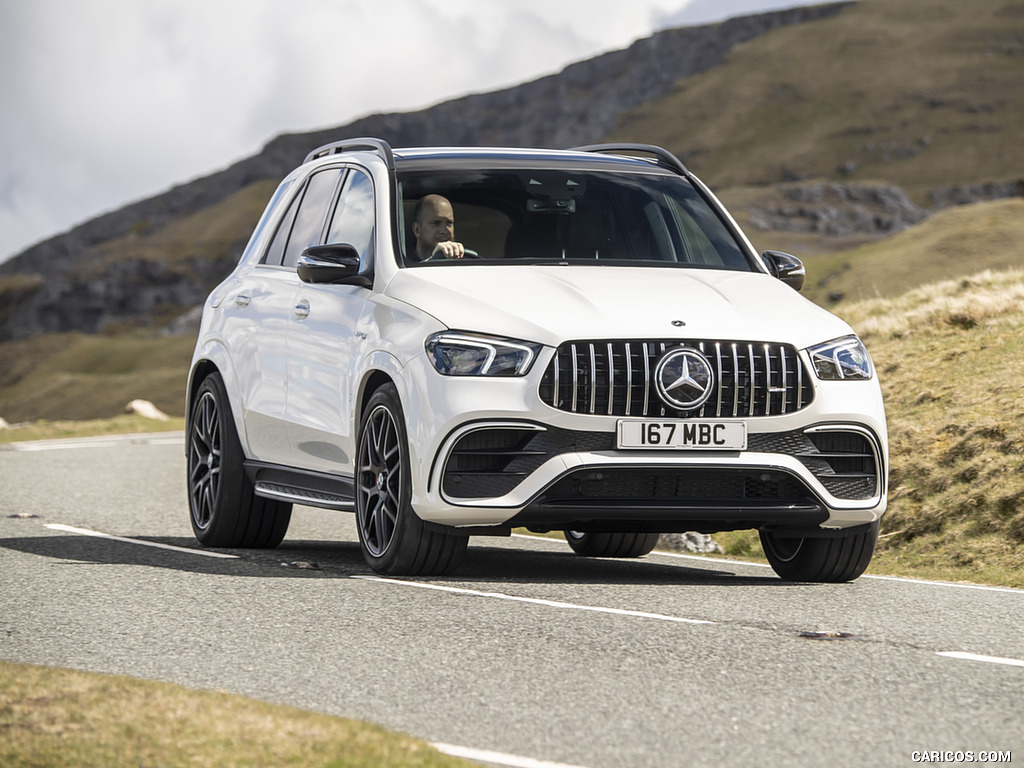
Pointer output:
x,y
394,540
223,506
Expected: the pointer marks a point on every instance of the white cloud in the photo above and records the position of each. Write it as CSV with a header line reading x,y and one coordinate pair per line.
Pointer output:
x,y
108,101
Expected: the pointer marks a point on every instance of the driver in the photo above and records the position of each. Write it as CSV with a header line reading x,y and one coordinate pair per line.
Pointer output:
x,y
433,225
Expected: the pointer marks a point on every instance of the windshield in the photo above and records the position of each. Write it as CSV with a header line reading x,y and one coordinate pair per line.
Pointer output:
x,y
554,215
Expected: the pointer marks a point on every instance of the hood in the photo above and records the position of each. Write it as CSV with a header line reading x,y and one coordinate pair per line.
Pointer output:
x,y
555,303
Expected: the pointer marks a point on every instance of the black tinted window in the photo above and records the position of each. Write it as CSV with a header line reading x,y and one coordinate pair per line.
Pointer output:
x,y
311,215
275,252
588,216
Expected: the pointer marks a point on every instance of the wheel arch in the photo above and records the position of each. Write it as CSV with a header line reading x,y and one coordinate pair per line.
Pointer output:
x,y
213,358
378,369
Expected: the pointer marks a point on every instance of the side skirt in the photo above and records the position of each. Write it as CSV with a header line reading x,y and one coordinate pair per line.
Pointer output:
x,y
313,489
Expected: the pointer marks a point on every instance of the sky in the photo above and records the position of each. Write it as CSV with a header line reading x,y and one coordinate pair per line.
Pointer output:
x,y
105,102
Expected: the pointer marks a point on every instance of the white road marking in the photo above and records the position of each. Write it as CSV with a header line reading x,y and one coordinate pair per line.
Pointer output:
x,y
497,758
725,561
157,545
902,579
101,441
979,657
955,585
536,601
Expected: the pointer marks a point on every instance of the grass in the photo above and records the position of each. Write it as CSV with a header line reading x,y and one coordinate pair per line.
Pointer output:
x,y
948,355
80,377
125,424
953,242
920,93
51,717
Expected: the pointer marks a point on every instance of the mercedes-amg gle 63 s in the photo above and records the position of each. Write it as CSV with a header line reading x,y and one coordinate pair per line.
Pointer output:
x,y
455,342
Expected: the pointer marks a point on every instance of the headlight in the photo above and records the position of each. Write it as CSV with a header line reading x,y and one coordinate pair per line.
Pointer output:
x,y
463,354
844,358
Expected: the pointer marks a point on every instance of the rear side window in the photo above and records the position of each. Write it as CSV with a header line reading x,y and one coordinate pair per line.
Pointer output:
x,y
275,252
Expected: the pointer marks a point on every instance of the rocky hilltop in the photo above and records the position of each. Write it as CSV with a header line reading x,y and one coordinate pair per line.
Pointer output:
x,y
67,283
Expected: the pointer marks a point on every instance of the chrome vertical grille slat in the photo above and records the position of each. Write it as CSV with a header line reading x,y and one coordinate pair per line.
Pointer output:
x,y
593,379
575,378
736,381
587,377
611,379
647,380
629,377
718,368
753,379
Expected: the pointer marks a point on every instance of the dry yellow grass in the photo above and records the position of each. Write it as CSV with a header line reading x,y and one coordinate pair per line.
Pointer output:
x,y
55,717
949,357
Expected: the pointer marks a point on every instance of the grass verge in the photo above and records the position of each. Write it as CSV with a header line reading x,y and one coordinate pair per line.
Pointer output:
x,y
127,424
54,717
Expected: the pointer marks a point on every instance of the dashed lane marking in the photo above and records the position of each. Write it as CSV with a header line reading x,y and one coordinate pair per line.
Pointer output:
x,y
497,758
980,657
536,601
157,545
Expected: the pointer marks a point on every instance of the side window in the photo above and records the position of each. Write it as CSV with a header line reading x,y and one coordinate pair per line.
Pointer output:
x,y
309,219
275,252
354,217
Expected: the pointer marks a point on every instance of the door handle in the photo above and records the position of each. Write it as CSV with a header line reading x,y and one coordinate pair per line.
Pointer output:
x,y
242,300
302,310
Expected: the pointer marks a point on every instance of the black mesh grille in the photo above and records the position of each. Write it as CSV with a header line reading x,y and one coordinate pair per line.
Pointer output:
x,y
491,462
710,486
844,462
616,378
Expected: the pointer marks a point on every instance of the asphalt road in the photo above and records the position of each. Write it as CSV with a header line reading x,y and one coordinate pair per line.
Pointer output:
x,y
528,651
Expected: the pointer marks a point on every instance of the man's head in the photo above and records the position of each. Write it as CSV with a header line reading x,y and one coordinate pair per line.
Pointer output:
x,y
433,223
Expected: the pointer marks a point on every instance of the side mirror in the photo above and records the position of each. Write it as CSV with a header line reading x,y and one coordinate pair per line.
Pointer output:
x,y
333,264
789,269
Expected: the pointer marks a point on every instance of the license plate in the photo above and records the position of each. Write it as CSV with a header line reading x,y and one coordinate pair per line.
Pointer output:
x,y
664,435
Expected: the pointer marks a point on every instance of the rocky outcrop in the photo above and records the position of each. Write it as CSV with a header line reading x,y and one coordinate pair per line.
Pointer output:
x,y
830,208
576,106
965,194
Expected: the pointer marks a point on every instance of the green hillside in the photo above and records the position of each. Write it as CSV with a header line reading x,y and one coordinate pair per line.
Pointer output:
x,y
924,94
950,244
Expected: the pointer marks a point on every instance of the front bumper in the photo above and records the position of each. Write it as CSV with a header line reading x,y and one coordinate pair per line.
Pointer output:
x,y
477,463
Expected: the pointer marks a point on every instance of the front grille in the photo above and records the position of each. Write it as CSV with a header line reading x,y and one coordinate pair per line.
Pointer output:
x,y
616,378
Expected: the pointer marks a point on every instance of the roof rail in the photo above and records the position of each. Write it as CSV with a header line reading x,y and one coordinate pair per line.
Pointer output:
x,y
665,158
345,145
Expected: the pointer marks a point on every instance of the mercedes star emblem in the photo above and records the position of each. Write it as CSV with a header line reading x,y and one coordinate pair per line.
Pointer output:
x,y
684,378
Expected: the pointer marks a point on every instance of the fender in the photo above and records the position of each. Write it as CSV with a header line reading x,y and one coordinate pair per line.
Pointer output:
x,y
215,353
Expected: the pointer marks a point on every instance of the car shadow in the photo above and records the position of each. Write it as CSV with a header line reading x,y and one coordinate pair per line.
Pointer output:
x,y
343,559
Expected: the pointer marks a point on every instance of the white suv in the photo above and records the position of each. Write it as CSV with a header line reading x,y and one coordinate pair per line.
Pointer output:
x,y
454,342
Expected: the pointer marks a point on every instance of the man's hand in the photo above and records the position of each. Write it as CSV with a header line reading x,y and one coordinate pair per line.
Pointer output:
x,y
449,249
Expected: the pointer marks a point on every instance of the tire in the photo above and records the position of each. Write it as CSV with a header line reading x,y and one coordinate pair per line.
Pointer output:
x,y
223,507
394,540
600,544
832,559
